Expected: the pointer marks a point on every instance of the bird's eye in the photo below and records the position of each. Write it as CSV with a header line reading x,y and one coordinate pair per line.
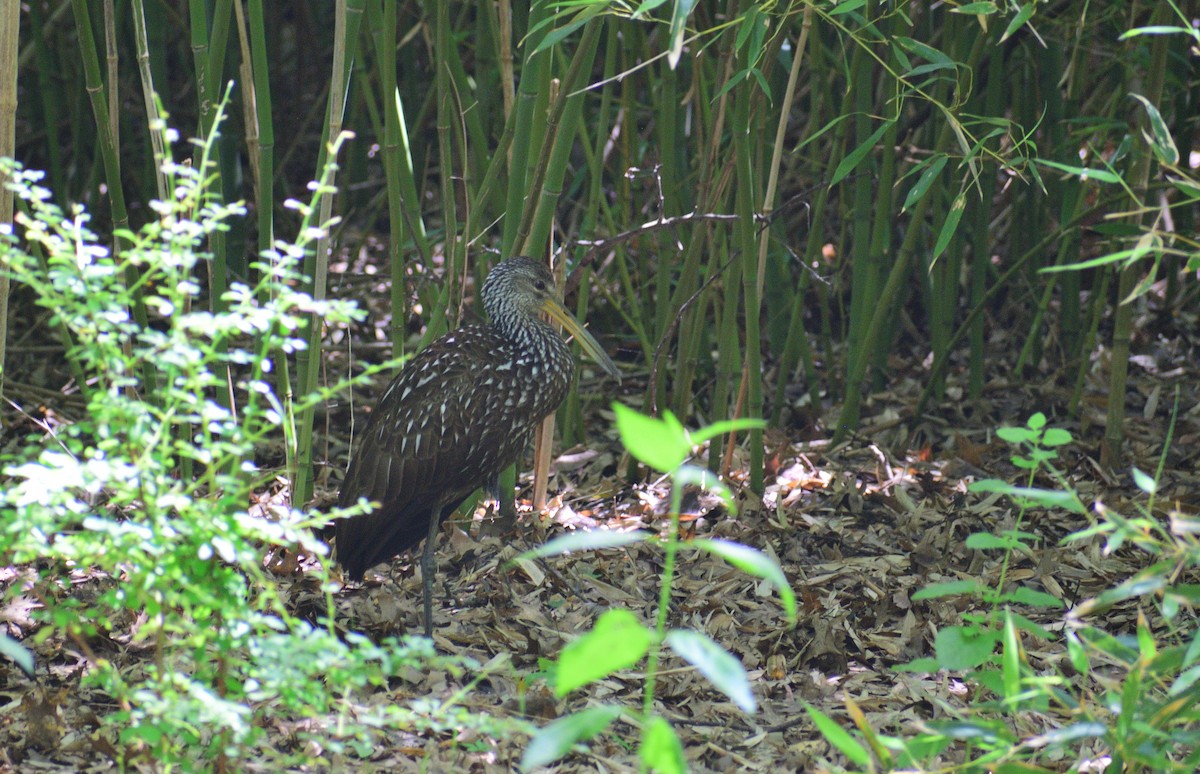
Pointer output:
x,y
539,284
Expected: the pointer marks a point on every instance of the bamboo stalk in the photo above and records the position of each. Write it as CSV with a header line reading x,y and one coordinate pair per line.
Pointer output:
x,y
149,95
10,28
1111,450
347,20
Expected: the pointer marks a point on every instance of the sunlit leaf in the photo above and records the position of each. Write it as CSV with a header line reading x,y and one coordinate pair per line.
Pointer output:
x,y
724,671
556,740
584,540
618,641
661,751
660,443
960,647
756,563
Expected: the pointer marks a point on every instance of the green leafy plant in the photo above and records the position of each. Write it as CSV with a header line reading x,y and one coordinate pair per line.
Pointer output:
x,y
618,640
973,644
145,499
1133,696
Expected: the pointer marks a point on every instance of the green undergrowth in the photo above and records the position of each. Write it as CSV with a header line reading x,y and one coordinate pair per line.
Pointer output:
x,y
131,527
1117,700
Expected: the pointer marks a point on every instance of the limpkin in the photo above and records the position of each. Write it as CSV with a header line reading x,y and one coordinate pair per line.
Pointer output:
x,y
458,413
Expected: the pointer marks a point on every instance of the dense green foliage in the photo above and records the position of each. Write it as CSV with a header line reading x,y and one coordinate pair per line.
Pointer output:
x,y
759,204
177,559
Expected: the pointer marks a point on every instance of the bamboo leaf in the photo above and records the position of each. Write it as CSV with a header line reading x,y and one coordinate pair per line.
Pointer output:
x,y
839,737
1018,21
855,157
950,226
679,14
1160,141
933,168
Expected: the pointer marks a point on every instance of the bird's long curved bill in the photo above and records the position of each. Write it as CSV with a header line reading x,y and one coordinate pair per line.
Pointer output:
x,y
592,347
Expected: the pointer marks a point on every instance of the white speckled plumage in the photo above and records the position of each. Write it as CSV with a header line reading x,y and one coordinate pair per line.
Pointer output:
x,y
457,414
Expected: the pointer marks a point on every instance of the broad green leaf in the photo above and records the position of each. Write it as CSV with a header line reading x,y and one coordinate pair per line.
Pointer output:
x,y
924,665
724,671
756,563
839,737
1036,629
1056,436
855,157
584,540
986,541
556,740
660,443
1027,596
948,589
618,641
1016,435
661,750
958,647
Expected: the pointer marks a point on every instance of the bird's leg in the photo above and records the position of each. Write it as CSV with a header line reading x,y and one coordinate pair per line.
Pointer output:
x,y
429,565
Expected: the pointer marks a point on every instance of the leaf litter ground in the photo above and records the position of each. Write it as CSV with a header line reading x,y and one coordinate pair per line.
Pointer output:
x,y
857,528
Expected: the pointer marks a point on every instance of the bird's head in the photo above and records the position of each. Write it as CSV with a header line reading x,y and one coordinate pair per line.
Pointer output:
x,y
518,289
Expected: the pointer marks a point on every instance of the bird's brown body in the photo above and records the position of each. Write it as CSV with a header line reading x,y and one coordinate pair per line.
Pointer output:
x,y
458,413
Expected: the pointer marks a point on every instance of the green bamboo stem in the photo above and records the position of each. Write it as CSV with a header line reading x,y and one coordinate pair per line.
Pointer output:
x,y
745,236
848,419
348,18
149,96
49,95
561,128
454,247
397,164
1111,451
111,158
111,59
1000,286
529,131
979,220
10,29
